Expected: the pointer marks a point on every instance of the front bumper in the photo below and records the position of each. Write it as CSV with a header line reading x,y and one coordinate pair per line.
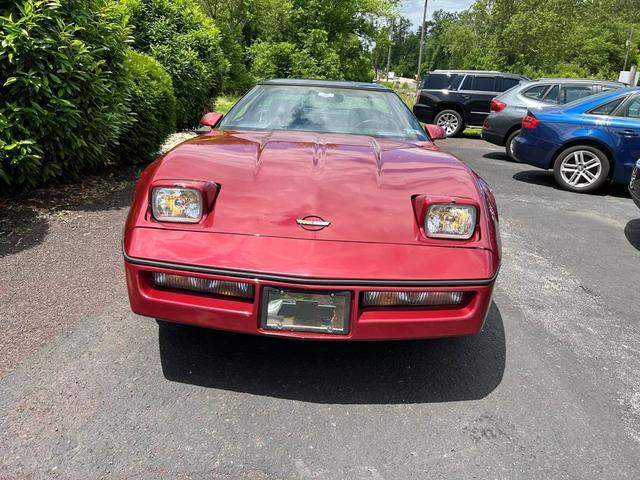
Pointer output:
x,y
243,316
227,313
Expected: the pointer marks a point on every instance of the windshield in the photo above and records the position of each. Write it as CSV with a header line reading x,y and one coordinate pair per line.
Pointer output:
x,y
326,110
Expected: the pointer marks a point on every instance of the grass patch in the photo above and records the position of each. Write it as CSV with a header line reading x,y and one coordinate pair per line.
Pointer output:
x,y
225,102
473,132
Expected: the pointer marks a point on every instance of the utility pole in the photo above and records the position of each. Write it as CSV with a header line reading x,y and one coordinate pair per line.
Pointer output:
x,y
626,57
389,53
424,19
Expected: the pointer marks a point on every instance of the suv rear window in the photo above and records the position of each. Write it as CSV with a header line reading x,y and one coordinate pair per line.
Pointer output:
x,y
507,83
438,81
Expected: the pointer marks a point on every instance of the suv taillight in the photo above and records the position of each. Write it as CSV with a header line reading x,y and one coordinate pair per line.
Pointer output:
x,y
530,121
497,105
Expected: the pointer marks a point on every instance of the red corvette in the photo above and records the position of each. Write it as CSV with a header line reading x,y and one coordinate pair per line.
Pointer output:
x,y
315,210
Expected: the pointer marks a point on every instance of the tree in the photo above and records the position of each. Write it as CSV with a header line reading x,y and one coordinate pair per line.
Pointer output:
x,y
186,42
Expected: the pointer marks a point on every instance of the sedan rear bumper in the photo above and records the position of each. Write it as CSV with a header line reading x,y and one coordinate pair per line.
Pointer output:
x,y
534,151
397,268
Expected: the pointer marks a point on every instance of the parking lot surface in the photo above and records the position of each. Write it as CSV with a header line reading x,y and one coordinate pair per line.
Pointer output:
x,y
549,389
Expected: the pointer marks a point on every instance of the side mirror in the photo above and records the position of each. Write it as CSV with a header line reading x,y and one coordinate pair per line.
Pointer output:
x,y
211,119
435,132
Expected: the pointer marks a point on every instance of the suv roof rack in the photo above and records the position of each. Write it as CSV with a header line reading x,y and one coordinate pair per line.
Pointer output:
x,y
470,71
567,79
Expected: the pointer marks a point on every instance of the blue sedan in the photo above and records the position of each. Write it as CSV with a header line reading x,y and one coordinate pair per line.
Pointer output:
x,y
586,142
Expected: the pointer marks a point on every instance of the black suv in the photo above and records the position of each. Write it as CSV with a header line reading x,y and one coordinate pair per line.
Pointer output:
x,y
456,99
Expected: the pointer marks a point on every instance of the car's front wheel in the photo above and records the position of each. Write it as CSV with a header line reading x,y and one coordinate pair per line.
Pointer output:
x,y
581,168
510,145
451,121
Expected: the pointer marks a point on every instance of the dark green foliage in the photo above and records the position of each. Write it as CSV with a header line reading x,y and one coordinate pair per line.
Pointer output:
x,y
186,42
153,109
574,38
62,85
315,59
303,38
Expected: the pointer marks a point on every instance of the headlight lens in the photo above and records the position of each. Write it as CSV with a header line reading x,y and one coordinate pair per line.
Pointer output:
x,y
174,204
450,220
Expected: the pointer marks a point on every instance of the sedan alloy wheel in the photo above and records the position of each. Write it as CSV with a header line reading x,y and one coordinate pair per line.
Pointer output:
x,y
581,169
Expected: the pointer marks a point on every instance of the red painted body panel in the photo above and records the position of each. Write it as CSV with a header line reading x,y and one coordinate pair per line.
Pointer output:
x,y
365,187
311,259
365,324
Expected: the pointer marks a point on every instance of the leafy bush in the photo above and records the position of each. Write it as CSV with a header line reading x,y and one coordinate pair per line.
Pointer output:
x,y
315,59
152,106
187,44
62,88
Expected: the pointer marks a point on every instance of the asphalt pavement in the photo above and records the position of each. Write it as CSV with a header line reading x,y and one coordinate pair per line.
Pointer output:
x,y
550,388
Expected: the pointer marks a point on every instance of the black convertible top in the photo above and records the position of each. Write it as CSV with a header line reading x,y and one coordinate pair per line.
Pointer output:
x,y
326,83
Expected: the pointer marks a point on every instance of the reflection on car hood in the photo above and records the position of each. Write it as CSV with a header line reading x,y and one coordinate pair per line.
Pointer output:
x,y
363,186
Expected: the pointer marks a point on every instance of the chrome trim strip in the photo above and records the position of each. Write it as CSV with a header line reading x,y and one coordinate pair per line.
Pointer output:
x,y
310,281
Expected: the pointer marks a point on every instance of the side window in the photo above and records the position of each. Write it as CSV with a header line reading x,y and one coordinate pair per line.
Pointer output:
x,y
467,84
438,81
507,83
631,109
571,93
606,108
484,84
607,88
552,95
537,92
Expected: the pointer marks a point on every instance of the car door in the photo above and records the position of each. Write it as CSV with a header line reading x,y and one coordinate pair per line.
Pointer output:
x,y
478,90
624,126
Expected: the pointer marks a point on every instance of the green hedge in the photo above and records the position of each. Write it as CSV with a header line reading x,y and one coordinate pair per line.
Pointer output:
x,y
186,42
63,88
153,109
313,59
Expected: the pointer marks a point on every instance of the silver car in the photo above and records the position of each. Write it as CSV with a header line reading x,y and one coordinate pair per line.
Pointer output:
x,y
503,124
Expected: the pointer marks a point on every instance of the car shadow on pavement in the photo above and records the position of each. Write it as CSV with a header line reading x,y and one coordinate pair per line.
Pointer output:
x,y
632,232
443,370
499,156
545,178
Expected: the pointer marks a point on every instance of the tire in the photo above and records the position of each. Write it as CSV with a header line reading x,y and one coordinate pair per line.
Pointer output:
x,y
509,144
451,121
581,168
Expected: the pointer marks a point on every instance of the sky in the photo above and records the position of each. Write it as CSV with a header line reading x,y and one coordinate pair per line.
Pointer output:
x,y
412,9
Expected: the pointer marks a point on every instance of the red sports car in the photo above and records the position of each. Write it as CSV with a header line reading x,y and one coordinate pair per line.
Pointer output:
x,y
314,210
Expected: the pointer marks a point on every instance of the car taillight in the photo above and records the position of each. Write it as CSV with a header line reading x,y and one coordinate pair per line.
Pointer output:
x,y
530,121
497,105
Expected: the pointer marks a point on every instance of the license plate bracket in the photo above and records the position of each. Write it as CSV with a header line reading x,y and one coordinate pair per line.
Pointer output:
x,y
299,310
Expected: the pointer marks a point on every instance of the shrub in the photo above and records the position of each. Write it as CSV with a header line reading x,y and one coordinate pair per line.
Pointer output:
x,y
313,59
152,106
63,87
187,43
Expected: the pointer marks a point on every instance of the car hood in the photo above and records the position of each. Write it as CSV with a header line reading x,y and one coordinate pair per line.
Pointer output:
x,y
363,186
